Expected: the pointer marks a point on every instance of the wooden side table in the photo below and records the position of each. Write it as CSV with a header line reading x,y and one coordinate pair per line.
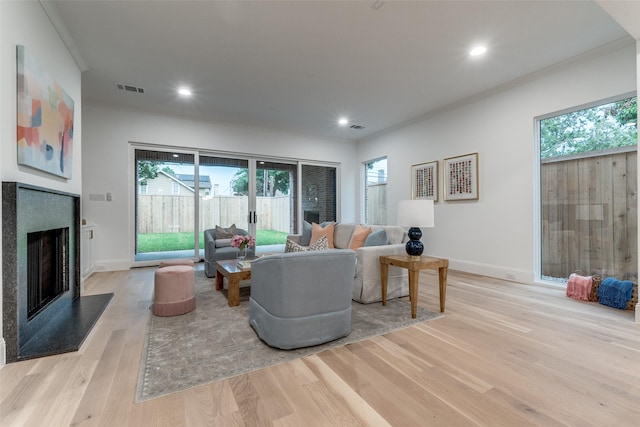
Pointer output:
x,y
414,265
234,274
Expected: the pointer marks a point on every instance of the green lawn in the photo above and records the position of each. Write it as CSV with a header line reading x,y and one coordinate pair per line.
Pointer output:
x,y
161,242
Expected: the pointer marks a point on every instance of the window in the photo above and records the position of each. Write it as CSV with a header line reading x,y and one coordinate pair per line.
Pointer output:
x,y
588,207
261,196
375,191
319,193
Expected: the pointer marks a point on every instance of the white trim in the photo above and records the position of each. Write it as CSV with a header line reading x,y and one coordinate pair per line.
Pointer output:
x,y
537,201
495,271
116,265
62,30
3,351
585,106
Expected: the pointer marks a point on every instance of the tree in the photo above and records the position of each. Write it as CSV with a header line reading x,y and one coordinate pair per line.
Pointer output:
x,y
626,112
592,129
149,169
275,181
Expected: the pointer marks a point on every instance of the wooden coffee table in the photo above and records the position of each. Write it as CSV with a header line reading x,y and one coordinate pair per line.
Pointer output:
x,y
229,268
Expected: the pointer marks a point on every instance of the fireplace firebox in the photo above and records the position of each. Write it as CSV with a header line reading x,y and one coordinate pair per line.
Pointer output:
x,y
47,268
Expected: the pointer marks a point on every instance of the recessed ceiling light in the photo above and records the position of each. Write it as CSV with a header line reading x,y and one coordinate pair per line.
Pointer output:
x,y
184,91
478,50
343,121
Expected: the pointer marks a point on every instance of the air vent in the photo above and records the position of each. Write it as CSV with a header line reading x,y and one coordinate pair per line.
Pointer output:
x,y
356,127
129,88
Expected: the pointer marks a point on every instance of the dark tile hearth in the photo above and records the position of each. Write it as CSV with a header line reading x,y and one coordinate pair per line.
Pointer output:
x,y
67,331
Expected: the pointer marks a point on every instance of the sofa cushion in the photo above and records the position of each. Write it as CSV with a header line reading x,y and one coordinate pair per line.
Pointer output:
x,y
225,233
342,235
360,234
223,243
321,244
395,233
292,246
377,238
317,231
305,239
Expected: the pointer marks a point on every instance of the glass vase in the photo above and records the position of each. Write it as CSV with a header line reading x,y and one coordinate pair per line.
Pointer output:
x,y
242,253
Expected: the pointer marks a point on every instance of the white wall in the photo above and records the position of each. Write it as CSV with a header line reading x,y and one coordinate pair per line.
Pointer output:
x,y
495,234
25,23
108,166
638,85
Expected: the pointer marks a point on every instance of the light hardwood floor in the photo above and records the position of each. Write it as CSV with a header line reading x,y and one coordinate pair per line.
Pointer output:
x,y
504,354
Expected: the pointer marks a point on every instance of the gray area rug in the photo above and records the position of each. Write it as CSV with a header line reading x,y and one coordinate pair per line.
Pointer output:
x,y
215,341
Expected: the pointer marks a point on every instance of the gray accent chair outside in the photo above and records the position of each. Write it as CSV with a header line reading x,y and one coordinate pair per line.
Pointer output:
x,y
220,249
301,299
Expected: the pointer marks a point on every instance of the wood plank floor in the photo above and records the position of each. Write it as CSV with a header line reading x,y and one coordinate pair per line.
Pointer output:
x,y
505,354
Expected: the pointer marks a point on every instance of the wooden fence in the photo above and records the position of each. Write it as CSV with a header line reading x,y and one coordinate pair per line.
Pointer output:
x,y
166,214
377,204
589,215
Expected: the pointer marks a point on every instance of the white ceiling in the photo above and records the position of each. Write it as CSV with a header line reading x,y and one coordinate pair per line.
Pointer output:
x,y
299,65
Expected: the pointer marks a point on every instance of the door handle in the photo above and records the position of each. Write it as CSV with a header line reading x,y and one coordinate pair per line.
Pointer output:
x,y
255,217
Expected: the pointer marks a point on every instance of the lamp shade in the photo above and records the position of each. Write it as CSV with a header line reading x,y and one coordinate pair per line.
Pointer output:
x,y
416,213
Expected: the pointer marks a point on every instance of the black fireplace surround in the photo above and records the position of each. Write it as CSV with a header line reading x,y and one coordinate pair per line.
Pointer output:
x,y
62,319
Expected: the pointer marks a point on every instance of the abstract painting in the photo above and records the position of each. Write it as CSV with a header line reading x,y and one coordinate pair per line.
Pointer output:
x,y
461,177
45,119
424,181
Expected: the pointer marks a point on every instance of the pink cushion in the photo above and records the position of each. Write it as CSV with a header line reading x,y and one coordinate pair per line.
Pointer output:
x,y
174,290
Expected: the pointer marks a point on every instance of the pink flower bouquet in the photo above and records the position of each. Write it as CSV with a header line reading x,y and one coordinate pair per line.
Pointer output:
x,y
241,242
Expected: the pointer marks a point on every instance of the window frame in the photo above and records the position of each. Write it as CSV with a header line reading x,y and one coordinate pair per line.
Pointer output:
x,y
537,168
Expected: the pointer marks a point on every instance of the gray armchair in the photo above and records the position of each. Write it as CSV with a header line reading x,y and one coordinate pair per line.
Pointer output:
x,y
215,250
300,299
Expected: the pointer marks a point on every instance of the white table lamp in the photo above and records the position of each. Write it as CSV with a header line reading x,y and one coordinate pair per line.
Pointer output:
x,y
415,214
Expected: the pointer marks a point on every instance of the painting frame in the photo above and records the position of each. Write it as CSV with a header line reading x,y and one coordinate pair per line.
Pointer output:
x,y
460,177
45,118
424,181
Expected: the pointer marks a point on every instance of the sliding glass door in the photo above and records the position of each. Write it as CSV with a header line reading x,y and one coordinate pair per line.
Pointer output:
x,y
275,206
164,205
226,198
179,194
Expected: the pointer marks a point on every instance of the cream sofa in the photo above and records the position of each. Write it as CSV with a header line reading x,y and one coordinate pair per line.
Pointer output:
x,y
366,283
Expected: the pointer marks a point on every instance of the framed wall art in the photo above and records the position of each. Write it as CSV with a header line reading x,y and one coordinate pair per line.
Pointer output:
x,y
461,177
45,118
424,181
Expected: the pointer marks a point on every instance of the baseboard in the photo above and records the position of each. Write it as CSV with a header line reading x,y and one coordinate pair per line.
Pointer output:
x,y
3,353
113,265
496,271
